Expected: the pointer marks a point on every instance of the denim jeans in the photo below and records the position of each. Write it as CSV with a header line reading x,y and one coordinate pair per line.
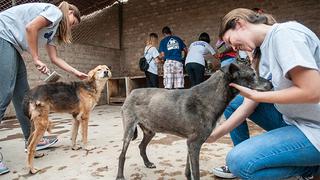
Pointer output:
x,y
282,152
196,73
152,79
13,83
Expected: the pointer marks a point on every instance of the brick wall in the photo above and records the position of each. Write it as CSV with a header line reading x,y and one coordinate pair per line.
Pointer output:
x,y
189,18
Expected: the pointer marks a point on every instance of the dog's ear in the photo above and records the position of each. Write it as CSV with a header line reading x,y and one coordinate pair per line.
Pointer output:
x,y
230,68
91,74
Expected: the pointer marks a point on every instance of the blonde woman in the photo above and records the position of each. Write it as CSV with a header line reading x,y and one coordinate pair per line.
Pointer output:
x,y
152,56
24,28
290,58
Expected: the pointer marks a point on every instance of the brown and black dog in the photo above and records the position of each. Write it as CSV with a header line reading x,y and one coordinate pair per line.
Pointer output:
x,y
77,98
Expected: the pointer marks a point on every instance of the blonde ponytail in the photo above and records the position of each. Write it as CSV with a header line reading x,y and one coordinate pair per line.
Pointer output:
x,y
64,31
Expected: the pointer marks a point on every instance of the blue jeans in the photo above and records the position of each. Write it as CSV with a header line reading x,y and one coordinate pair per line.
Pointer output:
x,y
152,79
282,152
13,83
196,73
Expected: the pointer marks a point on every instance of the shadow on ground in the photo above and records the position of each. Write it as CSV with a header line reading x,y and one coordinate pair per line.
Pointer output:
x,y
168,152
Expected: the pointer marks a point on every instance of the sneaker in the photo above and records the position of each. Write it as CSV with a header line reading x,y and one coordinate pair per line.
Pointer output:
x,y
44,143
304,178
223,172
3,167
299,178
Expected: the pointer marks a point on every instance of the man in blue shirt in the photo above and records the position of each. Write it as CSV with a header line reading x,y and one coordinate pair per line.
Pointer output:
x,y
171,48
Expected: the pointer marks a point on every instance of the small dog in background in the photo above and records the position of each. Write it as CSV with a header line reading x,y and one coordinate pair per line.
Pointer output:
x,y
77,98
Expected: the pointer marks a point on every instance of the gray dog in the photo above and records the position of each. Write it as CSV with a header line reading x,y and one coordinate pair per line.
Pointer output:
x,y
188,113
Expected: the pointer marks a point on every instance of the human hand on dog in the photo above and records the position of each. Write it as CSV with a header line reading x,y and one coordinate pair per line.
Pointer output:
x,y
81,75
246,92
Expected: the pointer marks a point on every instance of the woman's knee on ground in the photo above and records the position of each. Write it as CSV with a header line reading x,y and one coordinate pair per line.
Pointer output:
x,y
240,163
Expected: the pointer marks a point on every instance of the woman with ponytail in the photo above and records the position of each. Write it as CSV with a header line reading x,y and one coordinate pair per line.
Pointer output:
x,y
288,55
151,54
24,28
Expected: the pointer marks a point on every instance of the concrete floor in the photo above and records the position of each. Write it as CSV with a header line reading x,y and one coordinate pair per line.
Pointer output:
x,y
168,152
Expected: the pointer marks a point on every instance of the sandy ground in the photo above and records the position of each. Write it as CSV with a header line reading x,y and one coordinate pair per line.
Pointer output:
x,y
168,152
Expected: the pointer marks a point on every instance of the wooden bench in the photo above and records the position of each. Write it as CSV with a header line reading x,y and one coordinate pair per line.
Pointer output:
x,y
118,88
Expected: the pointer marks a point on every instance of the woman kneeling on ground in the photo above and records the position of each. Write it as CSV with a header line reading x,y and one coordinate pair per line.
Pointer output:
x,y
290,58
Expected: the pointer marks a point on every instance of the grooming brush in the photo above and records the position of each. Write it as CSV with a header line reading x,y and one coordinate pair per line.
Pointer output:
x,y
52,77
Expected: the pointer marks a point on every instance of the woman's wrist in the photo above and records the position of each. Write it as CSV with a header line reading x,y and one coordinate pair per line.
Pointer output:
x,y
74,71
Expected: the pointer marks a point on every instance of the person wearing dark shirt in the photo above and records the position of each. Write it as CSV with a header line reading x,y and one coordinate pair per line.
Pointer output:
x,y
171,48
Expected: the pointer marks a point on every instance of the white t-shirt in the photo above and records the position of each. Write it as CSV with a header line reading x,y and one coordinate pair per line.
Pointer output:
x,y
150,54
197,50
286,46
13,23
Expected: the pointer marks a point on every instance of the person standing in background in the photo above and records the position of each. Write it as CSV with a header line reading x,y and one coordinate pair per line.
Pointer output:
x,y
171,48
152,56
195,62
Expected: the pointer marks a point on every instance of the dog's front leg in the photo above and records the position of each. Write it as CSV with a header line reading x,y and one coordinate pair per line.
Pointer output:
x,y
187,172
194,152
84,127
74,134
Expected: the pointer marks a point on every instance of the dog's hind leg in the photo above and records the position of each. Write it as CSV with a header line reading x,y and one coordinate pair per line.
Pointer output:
x,y
40,124
147,136
31,133
50,126
129,128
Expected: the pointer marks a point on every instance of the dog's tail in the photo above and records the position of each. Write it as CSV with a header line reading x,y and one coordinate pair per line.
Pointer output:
x,y
135,135
26,106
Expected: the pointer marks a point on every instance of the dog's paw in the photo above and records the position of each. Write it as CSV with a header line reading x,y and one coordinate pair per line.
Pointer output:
x,y
34,170
89,148
38,155
75,147
150,165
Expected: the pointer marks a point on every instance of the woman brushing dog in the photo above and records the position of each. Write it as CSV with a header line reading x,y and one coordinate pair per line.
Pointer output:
x,y
290,57
24,28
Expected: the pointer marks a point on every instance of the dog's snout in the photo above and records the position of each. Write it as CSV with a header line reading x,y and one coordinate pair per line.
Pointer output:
x,y
105,74
263,85
269,86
